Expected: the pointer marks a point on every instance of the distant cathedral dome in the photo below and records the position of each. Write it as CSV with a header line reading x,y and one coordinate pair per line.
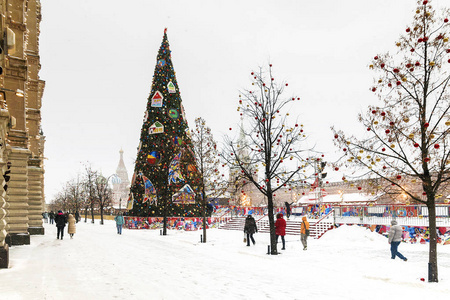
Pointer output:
x,y
121,184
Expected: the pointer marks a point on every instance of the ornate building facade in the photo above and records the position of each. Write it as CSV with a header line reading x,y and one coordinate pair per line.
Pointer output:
x,y
22,140
121,187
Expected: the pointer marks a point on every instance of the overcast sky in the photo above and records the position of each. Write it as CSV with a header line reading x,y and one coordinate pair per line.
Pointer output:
x,y
98,59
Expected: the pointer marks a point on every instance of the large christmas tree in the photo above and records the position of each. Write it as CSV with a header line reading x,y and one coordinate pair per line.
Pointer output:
x,y
165,180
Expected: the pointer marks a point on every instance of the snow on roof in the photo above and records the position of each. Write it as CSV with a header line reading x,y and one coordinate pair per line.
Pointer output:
x,y
337,198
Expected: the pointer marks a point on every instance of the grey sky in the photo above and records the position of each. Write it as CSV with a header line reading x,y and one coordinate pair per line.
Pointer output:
x,y
98,59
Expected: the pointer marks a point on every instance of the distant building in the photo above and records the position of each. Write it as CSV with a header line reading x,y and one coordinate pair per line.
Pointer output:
x,y
121,185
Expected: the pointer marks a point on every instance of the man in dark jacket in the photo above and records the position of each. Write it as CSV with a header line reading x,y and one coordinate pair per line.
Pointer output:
x,y
250,228
60,221
51,216
288,209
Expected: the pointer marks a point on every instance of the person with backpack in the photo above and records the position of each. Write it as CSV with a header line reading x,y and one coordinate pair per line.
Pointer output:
x,y
304,232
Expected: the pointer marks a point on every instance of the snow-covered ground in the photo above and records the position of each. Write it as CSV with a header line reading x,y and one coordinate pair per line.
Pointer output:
x,y
346,263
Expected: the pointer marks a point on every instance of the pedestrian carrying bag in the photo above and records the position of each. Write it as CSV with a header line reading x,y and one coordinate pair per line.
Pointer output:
x,y
306,230
245,239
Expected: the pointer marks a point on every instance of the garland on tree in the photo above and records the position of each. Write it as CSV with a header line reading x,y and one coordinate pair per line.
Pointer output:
x,y
165,174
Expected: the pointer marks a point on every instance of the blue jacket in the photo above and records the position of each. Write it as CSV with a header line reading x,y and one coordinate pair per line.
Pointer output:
x,y
119,220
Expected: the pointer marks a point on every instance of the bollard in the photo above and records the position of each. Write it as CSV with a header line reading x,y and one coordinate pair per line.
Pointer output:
x,y
160,232
268,249
201,238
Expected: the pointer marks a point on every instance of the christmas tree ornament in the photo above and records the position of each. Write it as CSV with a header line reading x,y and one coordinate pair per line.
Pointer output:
x,y
161,63
173,113
171,87
157,99
153,158
156,127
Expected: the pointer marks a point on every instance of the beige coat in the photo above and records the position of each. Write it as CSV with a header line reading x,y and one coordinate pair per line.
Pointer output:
x,y
72,229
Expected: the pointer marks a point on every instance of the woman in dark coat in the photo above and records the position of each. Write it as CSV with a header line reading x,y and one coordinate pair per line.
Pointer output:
x,y
250,228
280,229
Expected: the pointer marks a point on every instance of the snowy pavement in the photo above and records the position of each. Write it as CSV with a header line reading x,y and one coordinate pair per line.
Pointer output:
x,y
346,263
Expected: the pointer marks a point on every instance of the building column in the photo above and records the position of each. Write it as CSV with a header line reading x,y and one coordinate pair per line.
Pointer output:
x,y
17,220
4,248
35,209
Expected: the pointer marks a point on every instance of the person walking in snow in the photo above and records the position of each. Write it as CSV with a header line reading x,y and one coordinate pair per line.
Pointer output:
x,y
71,229
77,216
250,228
304,232
280,229
119,222
60,220
51,217
45,216
395,237
288,209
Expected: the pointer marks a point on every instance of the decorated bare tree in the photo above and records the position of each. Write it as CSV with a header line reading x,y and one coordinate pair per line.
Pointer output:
x,y
272,147
61,200
207,156
89,179
75,191
103,194
407,141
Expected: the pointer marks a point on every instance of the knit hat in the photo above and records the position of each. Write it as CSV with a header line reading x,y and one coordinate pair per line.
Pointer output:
x,y
393,222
